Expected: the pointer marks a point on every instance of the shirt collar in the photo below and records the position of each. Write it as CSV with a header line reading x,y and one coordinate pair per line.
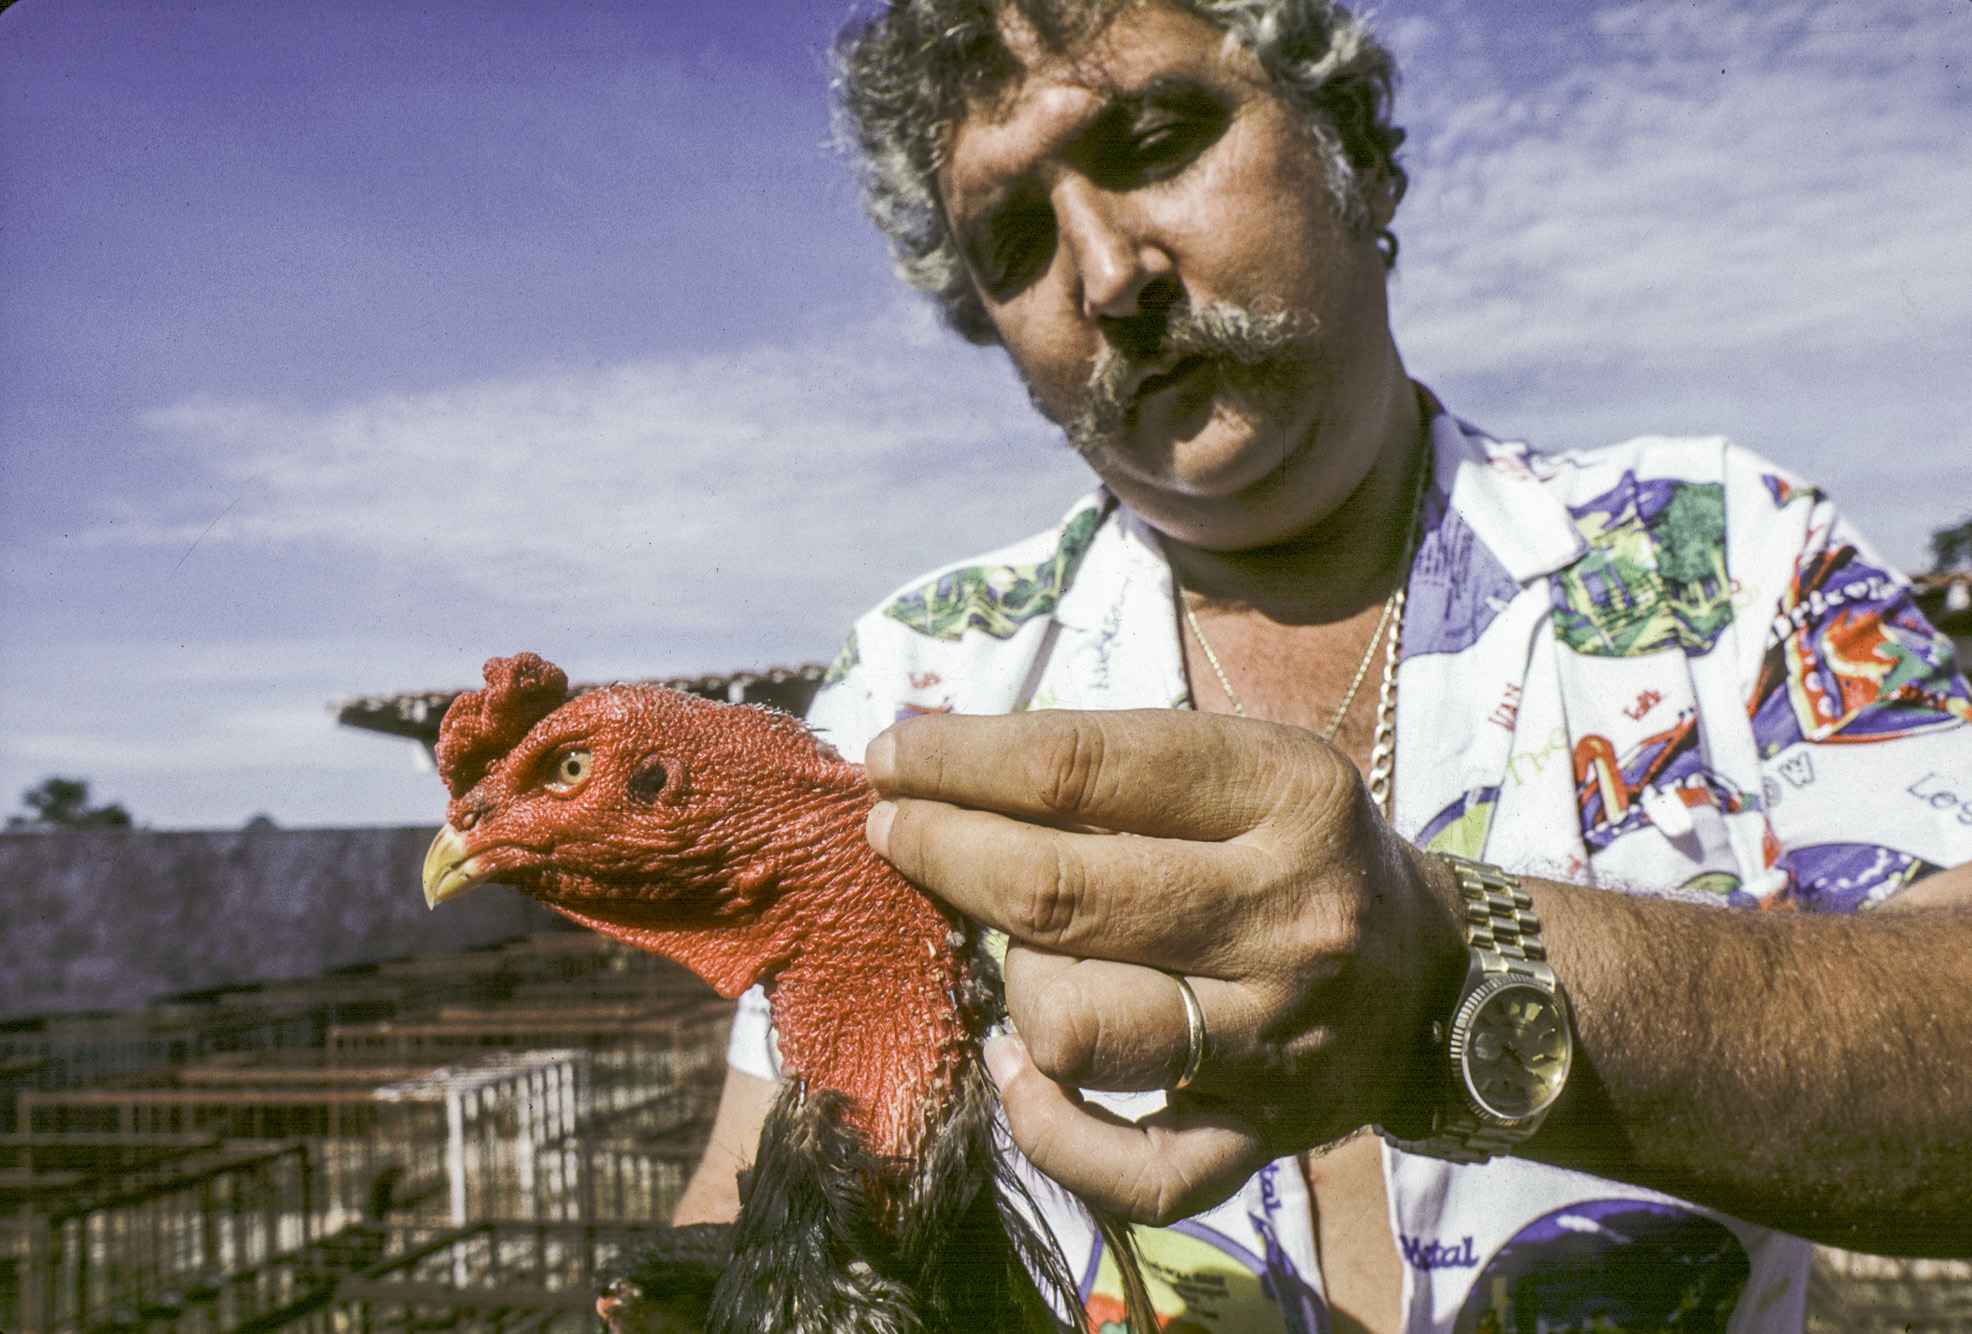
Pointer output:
x,y
1506,505
1489,482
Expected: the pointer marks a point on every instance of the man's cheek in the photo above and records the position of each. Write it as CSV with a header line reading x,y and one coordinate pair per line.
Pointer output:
x,y
1051,381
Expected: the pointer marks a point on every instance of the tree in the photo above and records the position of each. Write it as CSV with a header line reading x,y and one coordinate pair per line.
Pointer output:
x,y
63,803
1951,548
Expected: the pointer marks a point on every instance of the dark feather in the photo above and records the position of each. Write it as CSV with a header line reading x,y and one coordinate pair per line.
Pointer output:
x,y
815,1248
668,1289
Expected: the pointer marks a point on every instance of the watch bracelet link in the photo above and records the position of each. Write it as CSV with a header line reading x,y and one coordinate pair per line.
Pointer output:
x,y
1504,935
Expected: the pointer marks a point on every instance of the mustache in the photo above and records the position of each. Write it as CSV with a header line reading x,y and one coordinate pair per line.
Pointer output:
x,y
1251,345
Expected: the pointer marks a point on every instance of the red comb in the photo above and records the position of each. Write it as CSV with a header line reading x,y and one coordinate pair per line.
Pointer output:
x,y
483,725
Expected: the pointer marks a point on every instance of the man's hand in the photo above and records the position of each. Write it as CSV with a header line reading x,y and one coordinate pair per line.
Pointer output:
x,y
1118,848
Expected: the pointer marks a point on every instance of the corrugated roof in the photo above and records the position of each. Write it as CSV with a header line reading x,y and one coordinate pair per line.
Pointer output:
x,y
418,714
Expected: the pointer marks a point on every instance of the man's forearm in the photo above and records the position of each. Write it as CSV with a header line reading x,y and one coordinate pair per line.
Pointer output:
x,y
1809,1072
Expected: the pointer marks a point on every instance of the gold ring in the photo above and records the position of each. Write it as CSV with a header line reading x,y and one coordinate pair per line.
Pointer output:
x,y
1194,1033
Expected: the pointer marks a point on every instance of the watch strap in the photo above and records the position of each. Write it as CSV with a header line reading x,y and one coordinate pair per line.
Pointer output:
x,y
1503,937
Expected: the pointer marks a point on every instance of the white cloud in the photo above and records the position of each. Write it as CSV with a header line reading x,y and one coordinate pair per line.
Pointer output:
x,y
673,495
632,520
1757,211
1712,180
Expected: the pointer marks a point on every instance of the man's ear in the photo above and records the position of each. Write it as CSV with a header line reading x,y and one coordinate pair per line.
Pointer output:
x,y
1382,191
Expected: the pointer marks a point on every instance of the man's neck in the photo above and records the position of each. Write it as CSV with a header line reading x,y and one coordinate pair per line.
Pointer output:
x,y
1348,559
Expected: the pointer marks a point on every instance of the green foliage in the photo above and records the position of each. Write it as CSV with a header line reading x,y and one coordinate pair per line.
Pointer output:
x,y
1951,548
63,803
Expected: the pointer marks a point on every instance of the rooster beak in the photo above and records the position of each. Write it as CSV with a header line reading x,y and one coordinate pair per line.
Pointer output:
x,y
450,868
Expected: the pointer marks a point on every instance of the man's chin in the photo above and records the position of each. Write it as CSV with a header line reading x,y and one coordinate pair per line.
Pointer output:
x,y
1224,455
1223,494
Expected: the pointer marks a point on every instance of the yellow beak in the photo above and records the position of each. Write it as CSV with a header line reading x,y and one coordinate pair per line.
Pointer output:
x,y
450,869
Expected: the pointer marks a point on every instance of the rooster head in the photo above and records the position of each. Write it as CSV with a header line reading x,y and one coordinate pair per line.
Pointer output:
x,y
657,817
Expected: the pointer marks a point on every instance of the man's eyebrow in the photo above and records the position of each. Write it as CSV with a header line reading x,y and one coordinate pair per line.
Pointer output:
x,y
1164,90
1125,107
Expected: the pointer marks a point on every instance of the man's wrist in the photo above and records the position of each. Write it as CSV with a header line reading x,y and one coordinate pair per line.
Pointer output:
x,y
1420,1054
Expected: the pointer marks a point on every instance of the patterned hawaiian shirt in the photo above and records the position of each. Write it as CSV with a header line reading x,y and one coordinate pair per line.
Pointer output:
x,y
1664,664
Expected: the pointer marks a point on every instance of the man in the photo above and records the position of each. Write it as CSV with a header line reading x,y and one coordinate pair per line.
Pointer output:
x,y
1664,667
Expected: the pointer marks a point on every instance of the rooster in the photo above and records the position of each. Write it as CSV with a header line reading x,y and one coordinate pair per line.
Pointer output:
x,y
729,838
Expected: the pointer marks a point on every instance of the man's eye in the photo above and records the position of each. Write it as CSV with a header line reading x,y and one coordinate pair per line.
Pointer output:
x,y
1159,142
1022,246
571,769
1167,140
1176,141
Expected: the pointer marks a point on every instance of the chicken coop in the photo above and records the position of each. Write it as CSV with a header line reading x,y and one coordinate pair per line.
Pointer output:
x,y
101,1228
492,1277
447,1142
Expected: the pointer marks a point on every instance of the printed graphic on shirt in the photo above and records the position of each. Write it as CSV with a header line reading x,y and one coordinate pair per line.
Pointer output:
x,y
1610,1265
1461,827
1457,586
1853,659
845,661
1609,788
1785,492
1654,576
1841,877
996,599
1200,1282
1725,884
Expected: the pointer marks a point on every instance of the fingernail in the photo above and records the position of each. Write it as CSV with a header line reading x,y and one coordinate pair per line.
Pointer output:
x,y
877,828
880,758
1004,1055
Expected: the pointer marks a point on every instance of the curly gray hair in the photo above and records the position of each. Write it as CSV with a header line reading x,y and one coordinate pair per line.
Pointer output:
x,y
906,75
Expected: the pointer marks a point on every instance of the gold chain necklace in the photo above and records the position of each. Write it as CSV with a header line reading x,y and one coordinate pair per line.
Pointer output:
x,y
1383,746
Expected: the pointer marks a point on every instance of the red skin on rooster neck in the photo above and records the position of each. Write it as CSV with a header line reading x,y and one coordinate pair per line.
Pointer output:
x,y
725,837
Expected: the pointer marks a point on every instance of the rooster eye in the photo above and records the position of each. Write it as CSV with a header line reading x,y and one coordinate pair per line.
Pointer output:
x,y
571,769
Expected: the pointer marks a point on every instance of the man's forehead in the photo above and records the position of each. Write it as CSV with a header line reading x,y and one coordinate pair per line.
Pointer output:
x,y
1111,49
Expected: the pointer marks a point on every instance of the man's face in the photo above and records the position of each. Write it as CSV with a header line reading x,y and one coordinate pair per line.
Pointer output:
x,y
1150,229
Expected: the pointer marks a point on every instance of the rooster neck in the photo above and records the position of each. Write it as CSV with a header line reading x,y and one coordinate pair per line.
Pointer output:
x,y
864,971
868,1007
866,998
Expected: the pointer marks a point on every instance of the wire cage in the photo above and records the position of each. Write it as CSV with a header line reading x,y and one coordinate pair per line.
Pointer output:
x,y
498,1112
632,1166
637,1049
490,1278
71,1050
98,1231
542,971
291,1292
1852,1293
17,1077
444,1143
552,1084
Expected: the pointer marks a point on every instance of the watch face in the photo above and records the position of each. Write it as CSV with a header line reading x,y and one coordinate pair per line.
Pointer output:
x,y
1515,1049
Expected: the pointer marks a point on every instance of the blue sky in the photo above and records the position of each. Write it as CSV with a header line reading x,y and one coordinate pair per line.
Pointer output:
x,y
345,343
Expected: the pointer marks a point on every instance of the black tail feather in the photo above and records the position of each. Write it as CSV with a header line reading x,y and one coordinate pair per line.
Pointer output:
x,y
832,1239
815,1248
1138,1312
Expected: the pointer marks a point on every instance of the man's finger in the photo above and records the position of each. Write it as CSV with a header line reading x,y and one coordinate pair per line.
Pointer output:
x,y
1163,902
1165,772
1160,1169
1097,1024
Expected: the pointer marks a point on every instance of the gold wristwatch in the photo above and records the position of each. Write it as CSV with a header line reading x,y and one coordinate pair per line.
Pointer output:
x,y
1509,1041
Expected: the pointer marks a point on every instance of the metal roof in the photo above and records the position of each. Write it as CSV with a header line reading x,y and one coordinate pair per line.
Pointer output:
x,y
417,715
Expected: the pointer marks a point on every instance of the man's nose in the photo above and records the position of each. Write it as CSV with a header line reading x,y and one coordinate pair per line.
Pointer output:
x,y
1116,258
